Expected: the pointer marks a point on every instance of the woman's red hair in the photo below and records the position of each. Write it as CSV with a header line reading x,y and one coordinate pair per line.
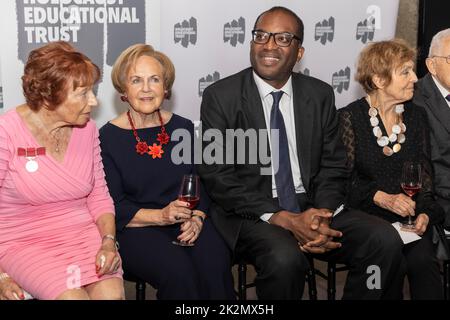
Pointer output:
x,y
51,69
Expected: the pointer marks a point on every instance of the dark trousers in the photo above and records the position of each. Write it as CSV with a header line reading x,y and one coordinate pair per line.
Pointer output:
x,y
183,273
367,241
424,278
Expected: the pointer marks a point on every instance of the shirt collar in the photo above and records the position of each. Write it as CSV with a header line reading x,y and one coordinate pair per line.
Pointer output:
x,y
443,91
265,89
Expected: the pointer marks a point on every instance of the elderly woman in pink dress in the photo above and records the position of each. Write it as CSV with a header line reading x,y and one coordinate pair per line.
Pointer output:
x,y
57,230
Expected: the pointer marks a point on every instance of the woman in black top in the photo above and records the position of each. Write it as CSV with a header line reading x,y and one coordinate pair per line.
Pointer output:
x,y
144,180
381,134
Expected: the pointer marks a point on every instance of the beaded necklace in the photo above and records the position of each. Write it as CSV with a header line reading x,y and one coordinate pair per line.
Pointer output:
x,y
398,130
142,147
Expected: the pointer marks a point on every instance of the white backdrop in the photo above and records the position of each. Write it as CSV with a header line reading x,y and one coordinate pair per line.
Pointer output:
x,y
206,39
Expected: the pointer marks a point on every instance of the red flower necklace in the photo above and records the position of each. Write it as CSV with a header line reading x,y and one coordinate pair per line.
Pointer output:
x,y
142,147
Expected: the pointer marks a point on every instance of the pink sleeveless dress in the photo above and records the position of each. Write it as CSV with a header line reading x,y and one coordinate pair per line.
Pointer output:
x,y
48,235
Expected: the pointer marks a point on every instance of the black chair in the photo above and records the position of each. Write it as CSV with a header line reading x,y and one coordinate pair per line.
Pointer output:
x,y
446,271
447,279
242,281
330,277
243,285
332,269
140,285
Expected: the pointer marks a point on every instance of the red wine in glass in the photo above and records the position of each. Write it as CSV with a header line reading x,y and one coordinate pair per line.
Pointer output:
x,y
411,190
193,201
411,184
190,193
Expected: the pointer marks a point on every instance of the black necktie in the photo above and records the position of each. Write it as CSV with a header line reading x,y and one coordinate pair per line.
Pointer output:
x,y
283,176
448,97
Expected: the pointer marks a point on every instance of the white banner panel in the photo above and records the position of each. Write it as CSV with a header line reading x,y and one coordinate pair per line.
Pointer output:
x,y
334,36
206,39
101,29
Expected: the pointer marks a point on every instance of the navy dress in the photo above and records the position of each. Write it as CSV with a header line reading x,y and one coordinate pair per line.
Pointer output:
x,y
138,181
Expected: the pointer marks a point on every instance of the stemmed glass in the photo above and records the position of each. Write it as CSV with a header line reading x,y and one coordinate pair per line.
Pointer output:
x,y
190,193
411,184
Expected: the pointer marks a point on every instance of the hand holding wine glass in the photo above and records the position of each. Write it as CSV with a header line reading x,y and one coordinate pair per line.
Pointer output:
x,y
411,184
190,193
190,190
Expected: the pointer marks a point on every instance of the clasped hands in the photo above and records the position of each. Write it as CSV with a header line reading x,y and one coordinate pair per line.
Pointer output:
x,y
311,228
191,220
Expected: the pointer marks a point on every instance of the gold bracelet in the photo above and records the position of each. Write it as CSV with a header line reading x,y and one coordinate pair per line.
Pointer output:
x,y
113,238
109,236
201,216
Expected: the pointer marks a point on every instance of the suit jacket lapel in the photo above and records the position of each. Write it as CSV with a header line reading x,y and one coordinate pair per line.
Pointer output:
x,y
436,103
252,102
303,115
303,128
252,105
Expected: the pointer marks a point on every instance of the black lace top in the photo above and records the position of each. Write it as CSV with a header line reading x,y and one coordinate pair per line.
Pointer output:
x,y
372,171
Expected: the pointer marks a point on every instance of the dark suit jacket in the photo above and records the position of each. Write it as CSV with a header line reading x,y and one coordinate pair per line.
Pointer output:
x,y
428,96
239,191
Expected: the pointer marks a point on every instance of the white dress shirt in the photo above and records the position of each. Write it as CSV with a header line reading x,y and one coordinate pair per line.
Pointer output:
x,y
287,110
443,91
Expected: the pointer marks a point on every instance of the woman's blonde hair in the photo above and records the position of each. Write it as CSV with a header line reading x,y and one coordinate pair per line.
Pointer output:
x,y
128,58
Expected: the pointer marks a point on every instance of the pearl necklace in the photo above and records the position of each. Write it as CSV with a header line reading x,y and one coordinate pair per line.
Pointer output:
x,y
398,130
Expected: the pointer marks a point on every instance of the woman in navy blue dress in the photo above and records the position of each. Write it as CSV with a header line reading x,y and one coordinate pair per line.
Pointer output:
x,y
144,180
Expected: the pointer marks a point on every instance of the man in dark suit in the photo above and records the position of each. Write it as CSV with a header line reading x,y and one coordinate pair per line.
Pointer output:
x,y
433,94
271,220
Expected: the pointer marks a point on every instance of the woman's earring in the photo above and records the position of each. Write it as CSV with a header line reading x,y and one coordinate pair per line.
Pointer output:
x,y
124,98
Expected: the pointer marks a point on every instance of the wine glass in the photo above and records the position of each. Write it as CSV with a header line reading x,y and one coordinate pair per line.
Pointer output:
x,y
411,184
190,193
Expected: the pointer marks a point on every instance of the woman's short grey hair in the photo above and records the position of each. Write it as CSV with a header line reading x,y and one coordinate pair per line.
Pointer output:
x,y
436,42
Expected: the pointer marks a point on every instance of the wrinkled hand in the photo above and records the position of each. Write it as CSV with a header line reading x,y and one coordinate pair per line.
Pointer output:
x,y
175,212
107,260
421,224
398,203
310,228
10,290
190,230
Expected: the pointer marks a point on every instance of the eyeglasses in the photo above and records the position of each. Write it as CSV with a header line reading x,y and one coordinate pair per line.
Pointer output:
x,y
447,59
282,39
